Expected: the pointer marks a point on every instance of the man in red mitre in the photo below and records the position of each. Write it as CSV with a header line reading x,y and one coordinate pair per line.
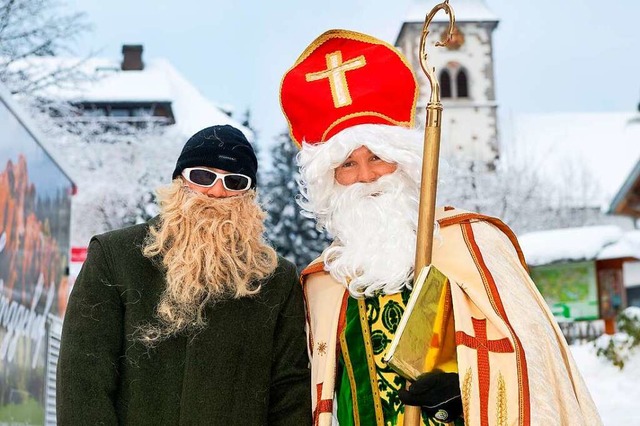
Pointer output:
x,y
350,103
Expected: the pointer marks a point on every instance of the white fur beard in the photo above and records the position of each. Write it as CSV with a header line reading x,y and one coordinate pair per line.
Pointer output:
x,y
374,225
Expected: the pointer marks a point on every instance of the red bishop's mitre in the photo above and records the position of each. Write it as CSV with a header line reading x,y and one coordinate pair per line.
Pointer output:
x,y
344,79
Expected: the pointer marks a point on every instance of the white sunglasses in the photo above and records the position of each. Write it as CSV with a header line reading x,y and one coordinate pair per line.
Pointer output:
x,y
207,178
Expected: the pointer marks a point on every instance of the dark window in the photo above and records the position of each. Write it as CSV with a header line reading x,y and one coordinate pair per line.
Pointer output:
x,y
445,84
136,113
120,112
94,112
142,112
461,83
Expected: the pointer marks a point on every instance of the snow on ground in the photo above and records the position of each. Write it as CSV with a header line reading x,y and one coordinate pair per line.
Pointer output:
x,y
616,392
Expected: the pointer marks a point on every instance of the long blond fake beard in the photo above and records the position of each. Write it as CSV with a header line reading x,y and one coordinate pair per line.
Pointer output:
x,y
212,249
374,226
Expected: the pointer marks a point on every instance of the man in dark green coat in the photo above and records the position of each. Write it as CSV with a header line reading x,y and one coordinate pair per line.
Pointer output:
x,y
191,318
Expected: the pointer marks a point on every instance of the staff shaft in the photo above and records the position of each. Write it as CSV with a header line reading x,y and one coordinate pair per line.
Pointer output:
x,y
429,179
426,212
428,186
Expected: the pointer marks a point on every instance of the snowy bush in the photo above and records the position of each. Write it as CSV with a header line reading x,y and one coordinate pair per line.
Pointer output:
x,y
619,347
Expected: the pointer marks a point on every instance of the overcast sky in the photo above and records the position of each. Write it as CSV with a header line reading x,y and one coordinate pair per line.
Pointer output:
x,y
550,55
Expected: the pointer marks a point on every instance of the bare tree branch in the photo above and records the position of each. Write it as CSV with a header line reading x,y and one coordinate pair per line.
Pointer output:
x,y
31,28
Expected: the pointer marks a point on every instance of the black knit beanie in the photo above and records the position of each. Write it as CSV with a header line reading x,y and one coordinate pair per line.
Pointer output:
x,y
220,147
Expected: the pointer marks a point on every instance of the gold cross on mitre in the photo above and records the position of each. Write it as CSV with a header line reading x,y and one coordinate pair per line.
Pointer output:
x,y
336,72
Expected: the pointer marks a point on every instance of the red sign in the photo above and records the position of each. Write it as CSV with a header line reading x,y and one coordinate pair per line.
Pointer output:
x,y
78,254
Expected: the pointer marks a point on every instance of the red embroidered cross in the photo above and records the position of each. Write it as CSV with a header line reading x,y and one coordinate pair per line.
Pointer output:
x,y
483,346
322,405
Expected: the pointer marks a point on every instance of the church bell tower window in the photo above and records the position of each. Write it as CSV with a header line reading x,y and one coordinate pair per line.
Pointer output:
x,y
445,84
454,82
461,84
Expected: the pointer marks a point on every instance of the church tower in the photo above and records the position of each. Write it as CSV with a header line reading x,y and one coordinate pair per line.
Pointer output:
x,y
465,72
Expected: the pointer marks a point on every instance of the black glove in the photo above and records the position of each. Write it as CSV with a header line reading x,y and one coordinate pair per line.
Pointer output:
x,y
438,393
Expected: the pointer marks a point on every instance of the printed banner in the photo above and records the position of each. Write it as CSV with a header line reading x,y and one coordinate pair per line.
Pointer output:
x,y
570,289
35,208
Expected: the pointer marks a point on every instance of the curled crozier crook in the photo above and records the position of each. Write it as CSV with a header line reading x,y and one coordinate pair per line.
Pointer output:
x,y
430,71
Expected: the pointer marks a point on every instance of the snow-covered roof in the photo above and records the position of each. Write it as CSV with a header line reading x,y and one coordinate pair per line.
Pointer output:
x,y
464,10
159,81
627,246
579,244
598,149
620,201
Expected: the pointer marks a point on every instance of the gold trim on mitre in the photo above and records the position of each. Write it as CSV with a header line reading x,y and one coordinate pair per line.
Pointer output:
x,y
407,124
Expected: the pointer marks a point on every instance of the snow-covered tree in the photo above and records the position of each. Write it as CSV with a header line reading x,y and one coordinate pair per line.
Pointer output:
x,y
36,28
117,172
521,192
247,122
293,235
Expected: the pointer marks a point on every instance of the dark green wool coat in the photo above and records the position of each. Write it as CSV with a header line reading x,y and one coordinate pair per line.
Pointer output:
x,y
248,367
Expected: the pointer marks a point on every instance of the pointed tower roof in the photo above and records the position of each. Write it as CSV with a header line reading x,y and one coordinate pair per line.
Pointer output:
x,y
465,10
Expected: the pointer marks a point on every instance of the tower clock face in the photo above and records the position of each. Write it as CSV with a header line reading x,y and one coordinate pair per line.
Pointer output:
x,y
457,38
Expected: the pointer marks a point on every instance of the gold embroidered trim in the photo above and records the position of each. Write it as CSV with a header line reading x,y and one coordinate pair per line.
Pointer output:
x,y
349,35
321,349
501,409
466,394
365,114
371,363
352,379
